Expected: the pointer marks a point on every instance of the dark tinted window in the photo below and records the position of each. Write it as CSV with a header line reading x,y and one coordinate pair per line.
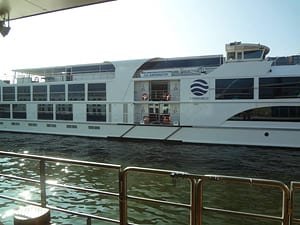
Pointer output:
x,y
97,92
234,88
64,112
85,69
93,68
175,63
4,110
19,111
252,54
96,112
279,87
107,68
8,93
290,60
23,93
39,93
45,111
275,113
57,92
76,92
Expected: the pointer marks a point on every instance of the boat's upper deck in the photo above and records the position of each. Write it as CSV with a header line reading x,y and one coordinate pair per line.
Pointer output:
x,y
238,55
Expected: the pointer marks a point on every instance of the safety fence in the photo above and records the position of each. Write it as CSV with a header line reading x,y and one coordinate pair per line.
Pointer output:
x,y
146,196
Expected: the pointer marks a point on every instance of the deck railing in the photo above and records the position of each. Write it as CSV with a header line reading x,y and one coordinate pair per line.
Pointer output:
x,y
198,189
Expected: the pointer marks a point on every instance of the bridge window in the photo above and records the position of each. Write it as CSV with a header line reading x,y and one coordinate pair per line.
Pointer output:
x,y
234,88
275,113
253,54
279,87
231,55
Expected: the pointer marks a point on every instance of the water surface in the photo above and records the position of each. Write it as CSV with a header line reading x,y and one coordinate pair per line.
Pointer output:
x,y
255,162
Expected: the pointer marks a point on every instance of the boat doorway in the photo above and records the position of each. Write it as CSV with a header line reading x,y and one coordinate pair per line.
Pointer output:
x,y
159,114
159,90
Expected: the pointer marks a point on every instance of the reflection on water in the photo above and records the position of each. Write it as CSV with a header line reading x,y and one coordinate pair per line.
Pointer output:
x,y
255,162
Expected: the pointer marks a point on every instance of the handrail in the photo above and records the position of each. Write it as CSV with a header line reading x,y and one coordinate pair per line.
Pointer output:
x,y
284,219
61,160
43,183
195,206
293,187
169,173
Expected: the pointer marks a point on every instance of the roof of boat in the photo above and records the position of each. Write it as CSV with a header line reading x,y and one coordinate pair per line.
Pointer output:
x,y
23,8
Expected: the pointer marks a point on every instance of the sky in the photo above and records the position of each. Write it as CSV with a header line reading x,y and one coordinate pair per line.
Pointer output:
x,y
134,29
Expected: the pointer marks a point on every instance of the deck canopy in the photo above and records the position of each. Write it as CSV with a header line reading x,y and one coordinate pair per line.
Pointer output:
x,y
25,8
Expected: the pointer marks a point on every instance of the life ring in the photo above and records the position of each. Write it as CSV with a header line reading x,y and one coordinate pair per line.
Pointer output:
x,y
167,97
144,97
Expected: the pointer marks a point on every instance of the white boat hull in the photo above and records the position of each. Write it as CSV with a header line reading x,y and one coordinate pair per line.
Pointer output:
x,y
277,137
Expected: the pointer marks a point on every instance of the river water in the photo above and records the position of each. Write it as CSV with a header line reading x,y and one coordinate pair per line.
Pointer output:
x,y
255,162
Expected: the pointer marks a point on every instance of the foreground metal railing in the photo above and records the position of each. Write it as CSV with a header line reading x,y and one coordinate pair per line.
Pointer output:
x,y
293,217
285,194
198,188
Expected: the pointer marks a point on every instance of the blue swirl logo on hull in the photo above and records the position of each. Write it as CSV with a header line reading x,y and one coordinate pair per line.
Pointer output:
x,y
199,87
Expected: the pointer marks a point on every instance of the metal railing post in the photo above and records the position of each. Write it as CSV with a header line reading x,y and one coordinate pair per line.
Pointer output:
x,y
286,194
291,203
123,197
193,196
43,183
199,201
89,221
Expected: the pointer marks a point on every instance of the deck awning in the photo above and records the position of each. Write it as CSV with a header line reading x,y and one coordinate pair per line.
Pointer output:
x,y
25,8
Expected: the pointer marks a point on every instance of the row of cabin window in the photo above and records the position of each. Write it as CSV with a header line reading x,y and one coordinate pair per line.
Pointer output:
x,y
94,112
269,88
76,92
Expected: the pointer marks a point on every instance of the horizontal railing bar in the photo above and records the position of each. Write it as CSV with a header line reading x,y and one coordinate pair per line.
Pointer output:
x,y
251,181
159,201
84,189
149,170
295,220
19,200
132,224
60,209
295,184
19,178
172,173
260,216
53,159
61,185
82,214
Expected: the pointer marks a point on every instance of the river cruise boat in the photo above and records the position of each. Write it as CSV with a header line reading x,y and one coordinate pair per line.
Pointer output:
x,y
244,98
